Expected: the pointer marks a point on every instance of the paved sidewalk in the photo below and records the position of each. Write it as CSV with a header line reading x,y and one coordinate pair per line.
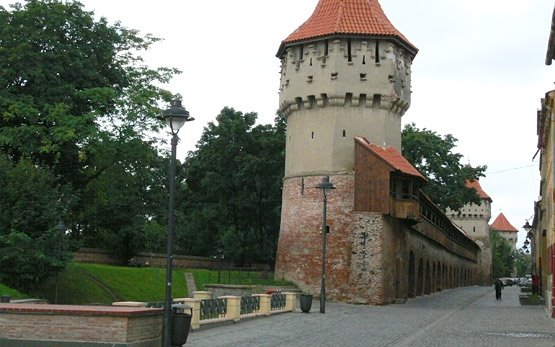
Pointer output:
x,y
457,317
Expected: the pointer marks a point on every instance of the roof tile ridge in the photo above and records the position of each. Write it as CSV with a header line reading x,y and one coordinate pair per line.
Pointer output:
x,y
339,20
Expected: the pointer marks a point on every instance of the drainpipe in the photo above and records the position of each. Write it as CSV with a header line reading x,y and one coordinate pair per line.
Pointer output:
x,y
552,116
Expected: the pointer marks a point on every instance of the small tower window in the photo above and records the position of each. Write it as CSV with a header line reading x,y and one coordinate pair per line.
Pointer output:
x,y
326,48
334,75
376,101
377,52
312,135
310,61
344,133
301,52
363,77
363,60
349,53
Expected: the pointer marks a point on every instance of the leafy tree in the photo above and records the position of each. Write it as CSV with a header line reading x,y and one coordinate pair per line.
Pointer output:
x,y
523,263
29,210
433,156
232,198
77,101
502,257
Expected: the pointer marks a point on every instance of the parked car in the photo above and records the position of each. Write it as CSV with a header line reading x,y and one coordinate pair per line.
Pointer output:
x,y
507,281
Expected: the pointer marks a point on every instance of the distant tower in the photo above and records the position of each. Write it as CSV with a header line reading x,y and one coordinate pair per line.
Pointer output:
x,y
345,74
474,220
502,225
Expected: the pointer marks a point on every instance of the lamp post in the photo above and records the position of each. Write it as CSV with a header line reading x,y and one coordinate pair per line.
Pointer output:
x,y
176,116
528,228
61,229
325,186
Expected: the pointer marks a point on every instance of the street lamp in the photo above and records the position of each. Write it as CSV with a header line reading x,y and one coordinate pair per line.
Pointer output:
x,y
325,186
176,116
61,229
527,227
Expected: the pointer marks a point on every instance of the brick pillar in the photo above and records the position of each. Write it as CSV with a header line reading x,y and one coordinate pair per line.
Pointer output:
x,y
265,304
202,295
290,301
233,307
195,304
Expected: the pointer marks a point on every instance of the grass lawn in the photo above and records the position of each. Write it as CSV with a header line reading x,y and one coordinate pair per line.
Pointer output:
x,y
5,290
83,283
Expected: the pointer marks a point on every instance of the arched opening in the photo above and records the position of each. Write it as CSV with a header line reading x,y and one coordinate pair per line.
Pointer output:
x,y
411,276
420,280
428,279
433,281
438,277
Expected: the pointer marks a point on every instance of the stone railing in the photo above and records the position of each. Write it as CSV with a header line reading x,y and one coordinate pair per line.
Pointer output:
x,y
256,305
207,310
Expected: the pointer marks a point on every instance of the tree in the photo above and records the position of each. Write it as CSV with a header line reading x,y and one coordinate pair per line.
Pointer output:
x,y
433,156
232,198
502,257
78,104
523,263
29,211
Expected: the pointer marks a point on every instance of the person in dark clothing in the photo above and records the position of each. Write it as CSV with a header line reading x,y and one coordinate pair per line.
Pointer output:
x,y
535,284
498,287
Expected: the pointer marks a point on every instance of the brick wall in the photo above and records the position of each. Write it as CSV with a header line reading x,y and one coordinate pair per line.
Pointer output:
x,y
97,324
100,256
367,252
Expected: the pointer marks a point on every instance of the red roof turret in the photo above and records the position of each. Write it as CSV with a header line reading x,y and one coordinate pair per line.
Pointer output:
x,y
347,17
502,224
476,185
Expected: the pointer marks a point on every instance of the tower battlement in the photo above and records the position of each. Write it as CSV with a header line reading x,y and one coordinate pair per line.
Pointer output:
x,y
356,72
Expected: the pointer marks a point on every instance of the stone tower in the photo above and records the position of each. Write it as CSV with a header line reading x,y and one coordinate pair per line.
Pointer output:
x,y
345,74
474,220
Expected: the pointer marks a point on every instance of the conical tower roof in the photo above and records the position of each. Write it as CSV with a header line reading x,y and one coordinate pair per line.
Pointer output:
x,y
476,185
347,17
502,224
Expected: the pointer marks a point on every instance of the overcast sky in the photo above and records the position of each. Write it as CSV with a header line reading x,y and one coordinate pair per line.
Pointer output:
x,y
479,74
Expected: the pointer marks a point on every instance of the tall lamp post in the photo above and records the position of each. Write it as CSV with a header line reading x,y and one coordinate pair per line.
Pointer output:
x,y
176,116
61,229
325,186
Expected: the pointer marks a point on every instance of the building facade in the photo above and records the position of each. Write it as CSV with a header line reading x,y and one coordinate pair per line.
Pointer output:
x,y
474,220
505,229
542,235
345,84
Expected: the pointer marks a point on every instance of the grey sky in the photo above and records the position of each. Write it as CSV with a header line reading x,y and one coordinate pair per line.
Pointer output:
x,y
479,74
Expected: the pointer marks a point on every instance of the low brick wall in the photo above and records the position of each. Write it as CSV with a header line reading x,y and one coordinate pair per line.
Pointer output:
x,y
60,325
101,256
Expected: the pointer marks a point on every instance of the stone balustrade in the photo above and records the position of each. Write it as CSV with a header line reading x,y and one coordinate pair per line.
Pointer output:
x,y
226,308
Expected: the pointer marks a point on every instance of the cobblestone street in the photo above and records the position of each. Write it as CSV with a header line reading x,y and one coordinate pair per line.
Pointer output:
x,y
457,317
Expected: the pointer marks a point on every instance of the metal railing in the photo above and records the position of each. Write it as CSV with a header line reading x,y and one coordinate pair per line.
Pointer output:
x,y
278,301
213,308
250,304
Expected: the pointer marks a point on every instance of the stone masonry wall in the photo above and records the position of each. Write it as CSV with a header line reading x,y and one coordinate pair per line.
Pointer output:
x,y
353,247
367,253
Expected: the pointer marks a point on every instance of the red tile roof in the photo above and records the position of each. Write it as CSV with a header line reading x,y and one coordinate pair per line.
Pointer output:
x,y
502,224
476,185
391,156
355,17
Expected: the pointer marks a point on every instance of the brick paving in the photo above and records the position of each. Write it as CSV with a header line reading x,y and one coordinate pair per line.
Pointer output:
x,y
457,317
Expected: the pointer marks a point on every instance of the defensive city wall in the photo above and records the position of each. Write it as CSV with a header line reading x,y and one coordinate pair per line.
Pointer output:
x,y
387,240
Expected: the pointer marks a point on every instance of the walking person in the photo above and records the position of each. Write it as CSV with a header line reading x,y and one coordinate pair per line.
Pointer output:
x,y
498,287
535,284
